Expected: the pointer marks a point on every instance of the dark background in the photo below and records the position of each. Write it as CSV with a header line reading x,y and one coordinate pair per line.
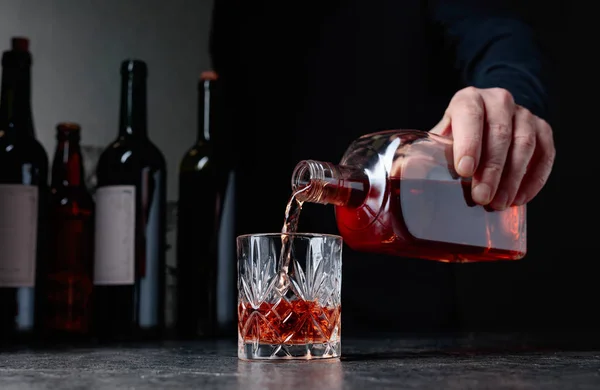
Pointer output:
x,y
554,287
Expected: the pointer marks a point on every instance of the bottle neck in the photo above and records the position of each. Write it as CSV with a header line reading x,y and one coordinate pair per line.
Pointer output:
x,y
67,169
205,110
15,101
328,183
133,114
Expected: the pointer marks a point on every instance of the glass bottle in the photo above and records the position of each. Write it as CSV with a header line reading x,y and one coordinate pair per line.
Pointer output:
x,y
396,192
202,185
130,223
23,197
69,272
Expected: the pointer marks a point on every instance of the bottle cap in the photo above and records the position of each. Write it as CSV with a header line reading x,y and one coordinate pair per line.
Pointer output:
x,y
68,127
20,44
208,75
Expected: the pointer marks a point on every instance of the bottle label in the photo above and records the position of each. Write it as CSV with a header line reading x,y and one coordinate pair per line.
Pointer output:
x,y
114,262
18,234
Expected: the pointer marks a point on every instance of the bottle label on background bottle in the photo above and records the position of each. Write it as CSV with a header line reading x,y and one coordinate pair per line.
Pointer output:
x,y
18,234
114,262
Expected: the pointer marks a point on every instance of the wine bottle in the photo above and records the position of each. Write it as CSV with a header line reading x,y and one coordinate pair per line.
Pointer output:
x,y
396,192
23,193
202,184
130,236
69,272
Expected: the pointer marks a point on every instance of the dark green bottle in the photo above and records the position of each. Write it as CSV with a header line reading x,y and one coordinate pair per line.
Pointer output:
x,y
204,309
23,197
130,228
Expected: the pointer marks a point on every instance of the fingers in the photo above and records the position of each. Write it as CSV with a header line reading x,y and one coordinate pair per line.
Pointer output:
x,y
467,113
519,157
508,151
540,166
498,135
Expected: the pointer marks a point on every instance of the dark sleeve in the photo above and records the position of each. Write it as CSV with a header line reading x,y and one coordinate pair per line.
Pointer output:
x,y
494,47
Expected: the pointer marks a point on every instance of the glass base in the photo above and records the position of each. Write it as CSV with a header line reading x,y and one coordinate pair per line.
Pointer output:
x,y
258,351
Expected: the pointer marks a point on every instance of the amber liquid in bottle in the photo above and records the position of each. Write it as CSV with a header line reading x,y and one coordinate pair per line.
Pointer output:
x,y
69,273
433,220
428,213
23,193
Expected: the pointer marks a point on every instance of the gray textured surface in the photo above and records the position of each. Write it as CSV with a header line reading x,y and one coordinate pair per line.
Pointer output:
x,y
393,363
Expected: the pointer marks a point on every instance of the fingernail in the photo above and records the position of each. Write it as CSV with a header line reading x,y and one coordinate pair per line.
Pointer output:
x,y
481,194
466,166
500,200
520,200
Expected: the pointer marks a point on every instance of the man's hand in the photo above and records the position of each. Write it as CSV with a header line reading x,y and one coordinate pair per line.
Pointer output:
x,y
508,151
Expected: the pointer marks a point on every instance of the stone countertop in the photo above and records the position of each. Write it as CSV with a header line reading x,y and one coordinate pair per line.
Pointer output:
x,y
392,362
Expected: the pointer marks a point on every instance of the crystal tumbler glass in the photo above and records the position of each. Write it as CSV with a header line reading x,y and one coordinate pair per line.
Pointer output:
x,y
289,296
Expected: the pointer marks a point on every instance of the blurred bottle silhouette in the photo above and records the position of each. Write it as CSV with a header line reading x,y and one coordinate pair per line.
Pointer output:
x,y
203,310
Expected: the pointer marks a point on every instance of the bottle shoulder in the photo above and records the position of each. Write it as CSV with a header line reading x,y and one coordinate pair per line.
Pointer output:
x,y
197,157
402,154
24,150
132,152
